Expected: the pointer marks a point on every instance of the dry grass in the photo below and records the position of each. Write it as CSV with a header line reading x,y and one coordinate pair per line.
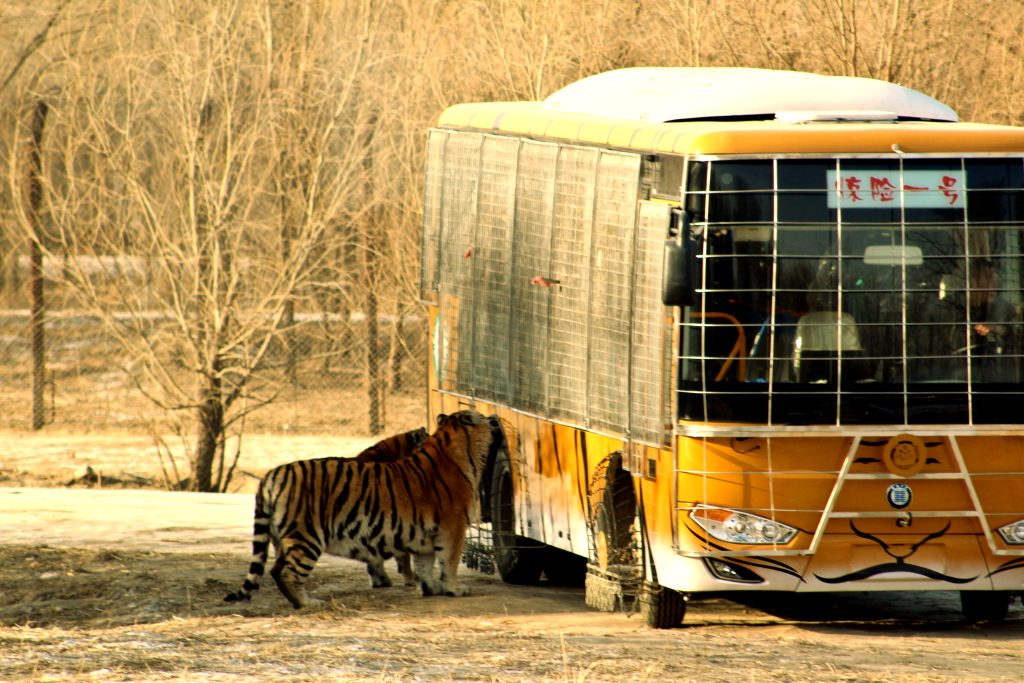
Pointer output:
x,y
138,615
128,459
93,395
149,607
99,420
86,615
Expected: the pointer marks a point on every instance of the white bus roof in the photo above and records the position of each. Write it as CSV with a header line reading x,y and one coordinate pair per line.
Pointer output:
x,y
663,94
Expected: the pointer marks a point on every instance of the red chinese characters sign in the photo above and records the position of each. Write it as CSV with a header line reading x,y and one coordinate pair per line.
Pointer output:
x,y
866,189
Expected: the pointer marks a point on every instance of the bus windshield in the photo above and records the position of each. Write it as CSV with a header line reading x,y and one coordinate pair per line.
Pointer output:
x,y
855,291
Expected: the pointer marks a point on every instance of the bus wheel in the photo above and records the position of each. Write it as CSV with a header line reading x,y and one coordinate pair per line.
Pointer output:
x,y
662,607
519,559
985,605
614,571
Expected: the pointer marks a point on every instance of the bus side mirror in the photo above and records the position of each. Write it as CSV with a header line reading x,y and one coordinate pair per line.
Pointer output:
x,y
679,270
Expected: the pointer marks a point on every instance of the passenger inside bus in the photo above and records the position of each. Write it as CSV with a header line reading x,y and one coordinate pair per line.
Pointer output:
x,y
990,338
898,315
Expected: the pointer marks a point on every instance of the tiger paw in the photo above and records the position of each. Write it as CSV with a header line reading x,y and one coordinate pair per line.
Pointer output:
x,y
457,591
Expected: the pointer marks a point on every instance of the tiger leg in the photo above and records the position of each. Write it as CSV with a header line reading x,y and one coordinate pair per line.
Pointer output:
x,y
404,563
378,577
293,565
424,569
260,543
450,549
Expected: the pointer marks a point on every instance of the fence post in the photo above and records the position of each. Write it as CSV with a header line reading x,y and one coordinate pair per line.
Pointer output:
x,y
37,322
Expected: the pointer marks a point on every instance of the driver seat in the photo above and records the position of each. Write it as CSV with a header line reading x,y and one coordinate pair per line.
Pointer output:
x,y
822,338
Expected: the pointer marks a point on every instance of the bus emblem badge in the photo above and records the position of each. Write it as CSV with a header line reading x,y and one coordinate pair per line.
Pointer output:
x,y
904,455
899,496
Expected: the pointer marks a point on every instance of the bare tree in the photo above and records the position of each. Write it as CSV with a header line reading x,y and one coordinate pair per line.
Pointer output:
x,y
936,46
23,54
217,174
166,159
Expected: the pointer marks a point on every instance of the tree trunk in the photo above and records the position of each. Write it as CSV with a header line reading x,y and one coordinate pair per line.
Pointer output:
x,y
288,319
290,342
37,321
395,350
209,437
371,271
210,413
373,361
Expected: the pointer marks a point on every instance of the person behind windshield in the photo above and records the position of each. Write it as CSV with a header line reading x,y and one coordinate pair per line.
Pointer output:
x,y
990,313
991,332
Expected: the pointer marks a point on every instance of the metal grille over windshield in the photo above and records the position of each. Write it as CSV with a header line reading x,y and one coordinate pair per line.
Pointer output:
x,y
855,291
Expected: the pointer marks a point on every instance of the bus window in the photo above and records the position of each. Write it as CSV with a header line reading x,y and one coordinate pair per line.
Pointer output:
x,y
876,297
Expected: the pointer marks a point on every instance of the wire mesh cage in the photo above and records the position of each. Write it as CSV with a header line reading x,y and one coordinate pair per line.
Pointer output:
x,y
316,375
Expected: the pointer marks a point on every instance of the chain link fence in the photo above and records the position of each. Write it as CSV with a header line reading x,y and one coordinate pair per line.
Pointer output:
x,y
325,375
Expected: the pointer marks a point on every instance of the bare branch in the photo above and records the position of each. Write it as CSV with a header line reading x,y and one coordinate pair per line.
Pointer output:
x,y
37,41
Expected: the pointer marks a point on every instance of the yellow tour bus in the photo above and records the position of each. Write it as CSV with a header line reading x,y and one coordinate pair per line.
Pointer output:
x,y
747,330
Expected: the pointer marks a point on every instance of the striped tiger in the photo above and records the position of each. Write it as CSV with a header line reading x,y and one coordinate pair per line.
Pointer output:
x,y
390,450
420,505
387,450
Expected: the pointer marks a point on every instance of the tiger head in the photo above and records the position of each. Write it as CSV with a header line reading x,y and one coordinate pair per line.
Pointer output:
x,y
468,437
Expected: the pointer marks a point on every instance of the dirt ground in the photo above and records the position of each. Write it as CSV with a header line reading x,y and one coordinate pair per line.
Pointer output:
x,y
126,583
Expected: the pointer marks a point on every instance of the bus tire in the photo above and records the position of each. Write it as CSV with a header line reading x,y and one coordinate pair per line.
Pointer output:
x,y
985,605
519,560
662,607
612,513
614,570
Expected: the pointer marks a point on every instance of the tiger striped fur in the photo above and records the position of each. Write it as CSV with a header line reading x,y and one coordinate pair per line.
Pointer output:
x,y
420,505
389,450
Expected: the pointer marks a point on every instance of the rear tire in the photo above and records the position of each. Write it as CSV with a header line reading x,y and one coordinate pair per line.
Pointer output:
x,y
519,560
985,605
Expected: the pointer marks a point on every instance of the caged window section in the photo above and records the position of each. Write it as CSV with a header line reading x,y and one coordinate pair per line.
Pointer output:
x,y
855,291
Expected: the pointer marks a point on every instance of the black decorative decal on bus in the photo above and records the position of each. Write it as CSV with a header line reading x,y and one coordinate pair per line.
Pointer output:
x,y
1015,563
899,566
761,562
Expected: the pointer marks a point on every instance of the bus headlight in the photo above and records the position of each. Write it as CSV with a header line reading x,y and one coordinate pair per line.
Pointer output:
x,y
1013,533
742,527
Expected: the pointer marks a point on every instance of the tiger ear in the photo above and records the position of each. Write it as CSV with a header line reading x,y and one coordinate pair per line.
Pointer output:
x,y
441,419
